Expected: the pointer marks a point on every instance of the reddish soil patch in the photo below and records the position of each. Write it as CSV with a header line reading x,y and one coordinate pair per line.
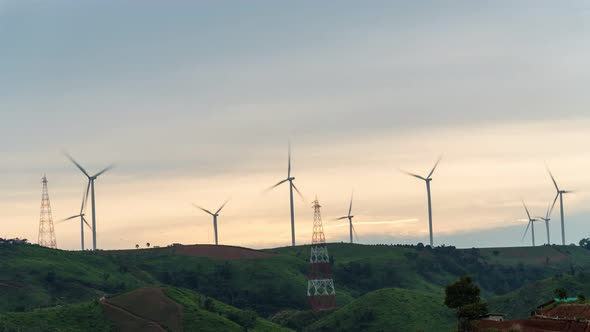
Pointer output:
x,y
221,252
571,311
126,321
555,256
537,255
152,305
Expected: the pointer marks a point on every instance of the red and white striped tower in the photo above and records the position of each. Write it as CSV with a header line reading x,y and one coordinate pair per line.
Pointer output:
x,y
321,294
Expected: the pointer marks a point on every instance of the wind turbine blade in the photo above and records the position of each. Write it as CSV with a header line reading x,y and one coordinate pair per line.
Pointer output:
x,y
552,178
104,170
341,218
222,206
198,207
276,185
298,192
569,191
86,222
548,214
527,210
436,164
412,174
553,205
85,199
69,218
356,236
350,208
77,165
526,230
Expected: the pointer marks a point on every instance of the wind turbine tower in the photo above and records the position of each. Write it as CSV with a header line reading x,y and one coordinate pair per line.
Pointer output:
x,y
546,220
349,217
214,215
91,180
81,216
292,186
560,196
46,231
531,224
427,179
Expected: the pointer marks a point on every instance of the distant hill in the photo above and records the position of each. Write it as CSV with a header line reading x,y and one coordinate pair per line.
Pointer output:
x,y
274,281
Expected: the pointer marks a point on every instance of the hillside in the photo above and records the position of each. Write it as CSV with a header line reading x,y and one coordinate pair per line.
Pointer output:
x,y
519,303
392,309
274,281
144,309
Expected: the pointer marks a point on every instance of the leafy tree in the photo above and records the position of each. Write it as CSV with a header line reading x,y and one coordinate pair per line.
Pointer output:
x,y
560,293
463,296
585,243
581,297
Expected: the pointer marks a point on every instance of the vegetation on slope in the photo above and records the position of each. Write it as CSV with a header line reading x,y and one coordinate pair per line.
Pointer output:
x,y
33,277
145,309
520,303
391,309
76,317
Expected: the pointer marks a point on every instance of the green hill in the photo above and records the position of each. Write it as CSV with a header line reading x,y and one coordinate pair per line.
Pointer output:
x,y
391,309
144,309
520,303
33,277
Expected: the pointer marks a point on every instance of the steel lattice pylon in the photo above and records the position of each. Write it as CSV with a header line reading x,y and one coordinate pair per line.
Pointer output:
x,y
46,231
321,294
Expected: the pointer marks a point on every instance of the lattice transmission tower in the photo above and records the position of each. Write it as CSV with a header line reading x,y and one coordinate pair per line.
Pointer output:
x,y
46,231
321,294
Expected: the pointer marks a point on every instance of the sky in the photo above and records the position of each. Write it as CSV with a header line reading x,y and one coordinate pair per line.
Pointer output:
x,y
195,102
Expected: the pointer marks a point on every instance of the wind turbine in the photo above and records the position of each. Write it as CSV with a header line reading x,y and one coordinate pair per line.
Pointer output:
x,y
215,215
81,215
291,187
349,217
93,200
427,180
560,195
546,220
531,224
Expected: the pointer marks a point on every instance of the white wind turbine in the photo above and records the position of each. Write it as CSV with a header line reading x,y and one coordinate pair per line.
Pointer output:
x,y
531,224
427,180
93,200
349,217
214,215
560,196
292,186
81,216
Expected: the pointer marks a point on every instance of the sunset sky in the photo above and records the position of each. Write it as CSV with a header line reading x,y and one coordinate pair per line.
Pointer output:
x,y
195,102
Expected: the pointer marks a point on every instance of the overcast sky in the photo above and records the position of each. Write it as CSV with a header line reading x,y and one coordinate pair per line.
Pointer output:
x,y
196,101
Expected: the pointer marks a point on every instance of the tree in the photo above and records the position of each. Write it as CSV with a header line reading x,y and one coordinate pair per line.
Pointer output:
x,y
137,246
560,293
463,296
147,244
585,243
